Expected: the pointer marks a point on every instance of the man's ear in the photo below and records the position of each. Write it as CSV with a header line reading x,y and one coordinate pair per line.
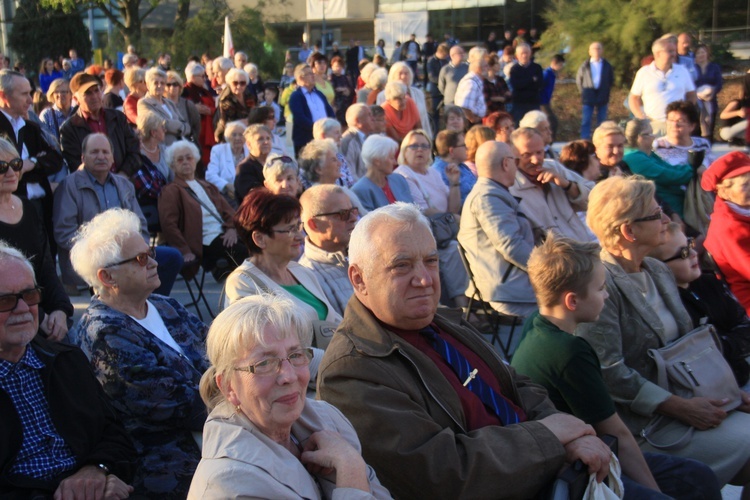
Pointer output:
x,y
357,279
312,223
3,99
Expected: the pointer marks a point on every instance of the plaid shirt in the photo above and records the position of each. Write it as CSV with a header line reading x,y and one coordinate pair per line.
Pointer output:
x,y
44,453
470,94
148,181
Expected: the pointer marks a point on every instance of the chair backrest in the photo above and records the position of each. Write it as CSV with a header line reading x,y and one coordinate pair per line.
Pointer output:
x,y
477,295
151,214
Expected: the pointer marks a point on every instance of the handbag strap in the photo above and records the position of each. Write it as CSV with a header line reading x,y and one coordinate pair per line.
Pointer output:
x,y
675,445
258,282
203,204
661,368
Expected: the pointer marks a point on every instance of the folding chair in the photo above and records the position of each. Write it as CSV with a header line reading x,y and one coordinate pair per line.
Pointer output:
x,y
197,296
482,309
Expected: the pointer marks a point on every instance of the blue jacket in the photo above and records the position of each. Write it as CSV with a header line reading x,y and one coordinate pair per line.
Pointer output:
x,y
302,117
372,196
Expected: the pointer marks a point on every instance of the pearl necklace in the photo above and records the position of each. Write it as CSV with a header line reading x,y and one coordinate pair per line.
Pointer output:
x,y
151,151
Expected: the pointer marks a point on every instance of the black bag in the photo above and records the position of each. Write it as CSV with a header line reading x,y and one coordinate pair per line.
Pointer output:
x,y
444,228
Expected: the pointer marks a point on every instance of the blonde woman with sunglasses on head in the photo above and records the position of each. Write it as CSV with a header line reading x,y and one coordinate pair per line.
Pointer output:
x,y
146,350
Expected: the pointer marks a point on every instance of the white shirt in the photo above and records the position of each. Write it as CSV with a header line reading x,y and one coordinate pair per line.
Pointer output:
x,y
211,225
657,89
154,324
315,103
596,72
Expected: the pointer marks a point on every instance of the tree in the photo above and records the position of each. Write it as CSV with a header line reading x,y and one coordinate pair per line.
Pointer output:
x,y
38,33
126,15
250,33
625,28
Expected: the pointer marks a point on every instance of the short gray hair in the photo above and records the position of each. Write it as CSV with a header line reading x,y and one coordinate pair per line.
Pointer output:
x,y
250,67
148,122
129,59
377,79
277,164
256,129
240,327
6,79
222,64
533,119
153,73
312,199
8,252
324,126
476,54
134,75
232,126
394,90
178,146
367,71
396,69
98,243
354,111
193,69
377,147
524,132
313,155
237,73
362,249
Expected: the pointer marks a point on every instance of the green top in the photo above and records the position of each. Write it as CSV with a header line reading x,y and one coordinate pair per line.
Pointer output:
x,y
308,298
670,180
566,366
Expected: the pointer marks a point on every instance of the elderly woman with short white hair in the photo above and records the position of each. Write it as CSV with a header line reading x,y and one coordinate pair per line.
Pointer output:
x,y
196,219
225,157
319,163
281,175
401,72
233,104
330,128
401,114
380,186
263,437
156,102
367,71
250,170
146,350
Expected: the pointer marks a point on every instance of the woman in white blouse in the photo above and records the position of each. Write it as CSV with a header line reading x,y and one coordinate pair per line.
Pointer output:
x,y
224,159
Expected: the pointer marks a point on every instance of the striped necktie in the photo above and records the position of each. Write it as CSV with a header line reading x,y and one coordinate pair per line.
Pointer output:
x,y
460,365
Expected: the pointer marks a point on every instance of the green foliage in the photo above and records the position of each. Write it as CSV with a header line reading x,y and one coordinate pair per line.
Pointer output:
x,y
38,33
626,29
204,33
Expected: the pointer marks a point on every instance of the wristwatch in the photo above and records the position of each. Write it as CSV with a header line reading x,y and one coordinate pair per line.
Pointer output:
x,y
33,159
103,468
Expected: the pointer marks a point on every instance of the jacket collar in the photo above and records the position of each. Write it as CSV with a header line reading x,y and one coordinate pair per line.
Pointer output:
x,y
317,254
664,282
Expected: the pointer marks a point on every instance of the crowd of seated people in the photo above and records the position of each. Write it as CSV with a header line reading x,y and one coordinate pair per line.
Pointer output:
x,y
331,369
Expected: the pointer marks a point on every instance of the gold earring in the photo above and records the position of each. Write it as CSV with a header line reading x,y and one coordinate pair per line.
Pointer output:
x,y
237,409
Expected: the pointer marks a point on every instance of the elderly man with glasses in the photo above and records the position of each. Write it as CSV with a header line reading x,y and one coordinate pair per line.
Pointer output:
x,y
329,219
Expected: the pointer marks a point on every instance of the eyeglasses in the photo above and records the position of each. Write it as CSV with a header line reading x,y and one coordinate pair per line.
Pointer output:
x,y
9,301
270,366
418,146
15,164
141,259
657,216
684,252
173,84
238,84
344,214
515,159
296,228
678,123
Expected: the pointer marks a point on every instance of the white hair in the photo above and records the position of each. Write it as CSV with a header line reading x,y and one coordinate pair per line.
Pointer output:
x,y
324,127
232,126
377,79
476,54
237,73
251,68
192,69
396,69
128,59
394,90
222,64
313,155
98,243
178,146
353,113
367,71
533,119
377,147
362,250
153,73
276,165
8,252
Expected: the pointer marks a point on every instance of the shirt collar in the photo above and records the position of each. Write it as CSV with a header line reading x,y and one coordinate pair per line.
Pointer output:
x,y
88,116
16,123
95,181
29,359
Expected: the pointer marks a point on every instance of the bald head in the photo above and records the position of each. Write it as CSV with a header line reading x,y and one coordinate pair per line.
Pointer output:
x,y
490,162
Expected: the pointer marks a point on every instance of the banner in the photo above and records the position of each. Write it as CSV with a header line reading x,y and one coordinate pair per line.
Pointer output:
x,y
228,43
333,9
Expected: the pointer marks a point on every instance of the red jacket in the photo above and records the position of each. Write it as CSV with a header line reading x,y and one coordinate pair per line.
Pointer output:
x,y
728,240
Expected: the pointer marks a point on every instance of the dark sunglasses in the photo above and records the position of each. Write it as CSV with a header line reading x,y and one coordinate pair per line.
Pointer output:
x,y
141,259
16,165
342,214
657,216
31,296
173,84
684,252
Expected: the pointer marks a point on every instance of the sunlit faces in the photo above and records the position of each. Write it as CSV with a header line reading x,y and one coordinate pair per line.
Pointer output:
x,y
334,229
671,251
610,150
287,182
235,138
90,101
17,327
454,121
156,86
402,284
679,128
736,190
9,181
285,240
272,402
330,170
417,152
131,276
17,99
594,169
503,131
184,163
590,304
651,229
546,131
260,144
531,151
97,157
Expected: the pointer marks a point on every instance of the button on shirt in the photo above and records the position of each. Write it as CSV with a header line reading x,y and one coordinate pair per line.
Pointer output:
x,y
44,454
106,193
657,89
315,103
